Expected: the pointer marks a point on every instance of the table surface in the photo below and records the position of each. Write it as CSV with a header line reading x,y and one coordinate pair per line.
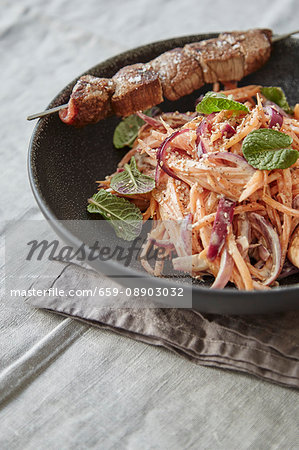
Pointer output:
x,y
88,388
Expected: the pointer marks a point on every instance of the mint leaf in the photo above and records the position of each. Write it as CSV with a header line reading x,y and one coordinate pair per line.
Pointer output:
x,y
265,149
123,215
127,130
131,181
276,95
214,102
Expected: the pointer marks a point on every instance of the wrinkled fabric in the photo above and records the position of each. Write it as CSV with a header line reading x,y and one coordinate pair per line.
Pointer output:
x,y
265,346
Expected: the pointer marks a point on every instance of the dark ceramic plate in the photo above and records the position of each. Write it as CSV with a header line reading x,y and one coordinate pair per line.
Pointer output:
x,y
64,163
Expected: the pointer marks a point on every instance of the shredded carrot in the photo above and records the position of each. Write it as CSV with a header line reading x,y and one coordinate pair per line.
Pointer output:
x,y
216,136
250,124
205,232
192,181
146,215
280,207
255,183
261,111
253,206
285,236
240,263
153,207
243,93
274,218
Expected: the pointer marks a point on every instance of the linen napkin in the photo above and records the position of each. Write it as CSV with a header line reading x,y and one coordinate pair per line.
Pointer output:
x,y
266,346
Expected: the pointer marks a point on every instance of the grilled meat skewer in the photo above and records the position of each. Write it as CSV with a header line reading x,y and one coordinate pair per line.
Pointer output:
x,y
173,74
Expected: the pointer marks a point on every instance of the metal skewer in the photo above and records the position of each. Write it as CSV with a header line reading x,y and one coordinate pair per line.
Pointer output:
x,y
47,112
284,36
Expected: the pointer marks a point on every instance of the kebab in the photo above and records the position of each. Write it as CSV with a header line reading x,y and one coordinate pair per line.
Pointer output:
x,y
173,74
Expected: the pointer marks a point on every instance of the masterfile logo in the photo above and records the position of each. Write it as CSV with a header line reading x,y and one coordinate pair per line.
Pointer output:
x,y
141,273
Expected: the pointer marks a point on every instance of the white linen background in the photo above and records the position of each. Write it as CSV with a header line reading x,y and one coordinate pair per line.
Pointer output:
x,y
88,388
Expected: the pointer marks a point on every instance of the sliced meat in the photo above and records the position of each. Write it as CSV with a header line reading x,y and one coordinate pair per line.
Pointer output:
x,y
137,87
89,101
179,74
255,46
219,60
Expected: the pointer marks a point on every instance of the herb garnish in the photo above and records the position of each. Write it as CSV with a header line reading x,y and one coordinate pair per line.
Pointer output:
x,y
276,95
131,181
123,215
215,102
127,130
266,149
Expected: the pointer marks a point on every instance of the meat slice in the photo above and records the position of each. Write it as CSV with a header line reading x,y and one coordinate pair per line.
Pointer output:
x,y
219,60
89,101
137,87
255,46
179,74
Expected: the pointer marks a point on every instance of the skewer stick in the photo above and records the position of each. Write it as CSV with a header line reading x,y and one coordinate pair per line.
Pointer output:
x,y
58,108
284,36
46,112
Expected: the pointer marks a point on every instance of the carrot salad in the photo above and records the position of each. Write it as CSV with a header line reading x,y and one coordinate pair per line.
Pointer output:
x,y
235,191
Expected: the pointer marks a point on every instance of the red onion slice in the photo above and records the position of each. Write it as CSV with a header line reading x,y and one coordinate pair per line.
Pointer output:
x,y
155,111
295,202
263,226
276,117
149,120
278,108
223,219
228,130
225,270
233,158
161,153
157,175
200,146
186,234
244,233
202,130
264,253
288,270
205,125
